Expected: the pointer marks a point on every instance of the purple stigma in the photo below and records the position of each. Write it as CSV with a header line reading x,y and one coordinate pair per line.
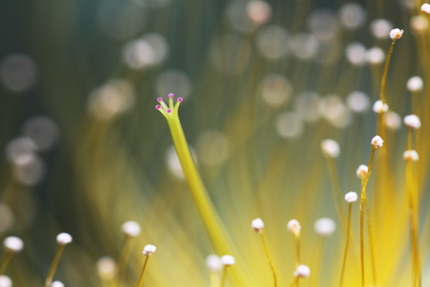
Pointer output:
x,y
170,95
180,99
159,99
169,111
157,107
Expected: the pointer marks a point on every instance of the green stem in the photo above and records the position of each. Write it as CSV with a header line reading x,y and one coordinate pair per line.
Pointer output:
x,y
207,213
200,197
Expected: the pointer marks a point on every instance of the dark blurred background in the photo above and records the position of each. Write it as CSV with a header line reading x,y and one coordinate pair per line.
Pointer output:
x,y
263,83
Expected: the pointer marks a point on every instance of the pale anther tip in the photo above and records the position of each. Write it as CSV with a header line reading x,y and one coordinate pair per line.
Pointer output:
x,y
149,249
257,224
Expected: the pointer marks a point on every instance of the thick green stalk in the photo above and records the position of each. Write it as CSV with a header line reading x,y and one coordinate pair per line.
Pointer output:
x,y
200,197
210,218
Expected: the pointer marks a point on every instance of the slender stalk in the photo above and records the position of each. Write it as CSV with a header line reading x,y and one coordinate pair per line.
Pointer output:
x,y
348,234
7,256
224,276
297,236
380,129
269,258
413,217
371,243
409,139
362,202
363,198
384,75
297,254
295,282
418,260
54,265
382,96
415,233
124,254
411,224
142,275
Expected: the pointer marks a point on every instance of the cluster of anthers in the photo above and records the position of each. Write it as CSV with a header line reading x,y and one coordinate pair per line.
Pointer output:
x,y
171,108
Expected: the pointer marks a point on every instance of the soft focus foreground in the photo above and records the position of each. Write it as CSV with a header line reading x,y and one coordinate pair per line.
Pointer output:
x,y
263,83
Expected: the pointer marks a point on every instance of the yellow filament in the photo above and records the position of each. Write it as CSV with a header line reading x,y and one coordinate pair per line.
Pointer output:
x,y
371,244
7,256
297,253
295,282
142,275
224,276
362,203
413,216
297,236
384,75
348,234
54,265
269,259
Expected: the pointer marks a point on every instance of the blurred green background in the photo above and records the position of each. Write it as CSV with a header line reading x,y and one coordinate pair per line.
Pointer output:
x,y
263,82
